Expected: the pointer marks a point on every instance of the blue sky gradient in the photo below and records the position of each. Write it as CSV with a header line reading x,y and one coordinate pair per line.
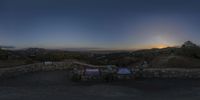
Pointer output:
x,y
106,24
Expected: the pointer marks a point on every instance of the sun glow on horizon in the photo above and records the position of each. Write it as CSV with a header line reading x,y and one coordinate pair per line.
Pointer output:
x,y
160,46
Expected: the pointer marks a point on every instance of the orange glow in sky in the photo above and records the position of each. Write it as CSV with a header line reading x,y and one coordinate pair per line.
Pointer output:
x,y
159,46
150,46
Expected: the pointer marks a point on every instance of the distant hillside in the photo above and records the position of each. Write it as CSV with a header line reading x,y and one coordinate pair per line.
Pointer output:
x,y
187,55
189,49
175,62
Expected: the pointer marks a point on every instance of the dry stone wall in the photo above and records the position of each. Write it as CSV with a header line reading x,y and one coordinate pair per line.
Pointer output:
x,y
13,71
170,73
146,73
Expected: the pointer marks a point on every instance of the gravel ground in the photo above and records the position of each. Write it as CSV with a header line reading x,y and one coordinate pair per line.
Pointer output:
x,y
56,86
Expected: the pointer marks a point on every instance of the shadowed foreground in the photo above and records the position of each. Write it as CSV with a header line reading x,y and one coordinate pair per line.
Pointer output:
x,y
56,86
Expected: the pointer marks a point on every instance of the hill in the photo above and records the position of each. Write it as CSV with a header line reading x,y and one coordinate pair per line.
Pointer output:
x,y
175,62
186,56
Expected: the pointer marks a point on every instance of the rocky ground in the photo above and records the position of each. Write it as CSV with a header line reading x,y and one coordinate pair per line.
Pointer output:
x,y
55,85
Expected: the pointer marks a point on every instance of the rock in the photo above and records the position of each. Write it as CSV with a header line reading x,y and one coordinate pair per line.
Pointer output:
x,y
189,44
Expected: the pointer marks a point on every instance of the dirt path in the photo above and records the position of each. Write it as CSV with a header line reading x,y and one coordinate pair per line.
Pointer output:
x,y
56,86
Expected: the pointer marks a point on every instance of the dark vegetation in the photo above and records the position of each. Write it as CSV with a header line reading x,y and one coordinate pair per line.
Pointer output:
x,y
169,57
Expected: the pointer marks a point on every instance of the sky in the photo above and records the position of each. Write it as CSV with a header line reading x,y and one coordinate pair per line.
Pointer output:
x,y
99,24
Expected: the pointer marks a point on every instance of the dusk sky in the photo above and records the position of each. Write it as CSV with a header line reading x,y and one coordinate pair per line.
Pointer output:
x,y
104,24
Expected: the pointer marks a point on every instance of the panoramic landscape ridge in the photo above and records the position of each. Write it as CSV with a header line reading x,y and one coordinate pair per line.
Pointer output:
x,y
160,46
99,50
188,51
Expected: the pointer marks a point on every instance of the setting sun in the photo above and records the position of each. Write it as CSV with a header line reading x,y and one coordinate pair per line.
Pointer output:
x,y
161,46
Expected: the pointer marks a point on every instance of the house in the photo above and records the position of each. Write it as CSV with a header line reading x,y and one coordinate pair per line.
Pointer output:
x,y
91,72
86,73
48,63
124,73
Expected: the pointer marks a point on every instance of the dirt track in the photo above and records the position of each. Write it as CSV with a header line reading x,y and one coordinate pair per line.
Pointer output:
x,y
56,86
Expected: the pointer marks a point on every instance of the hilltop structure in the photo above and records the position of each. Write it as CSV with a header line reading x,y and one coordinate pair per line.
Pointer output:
x,y
189,44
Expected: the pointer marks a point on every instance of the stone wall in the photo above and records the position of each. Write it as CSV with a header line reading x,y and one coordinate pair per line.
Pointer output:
x,y
169,73
146,73
13,71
